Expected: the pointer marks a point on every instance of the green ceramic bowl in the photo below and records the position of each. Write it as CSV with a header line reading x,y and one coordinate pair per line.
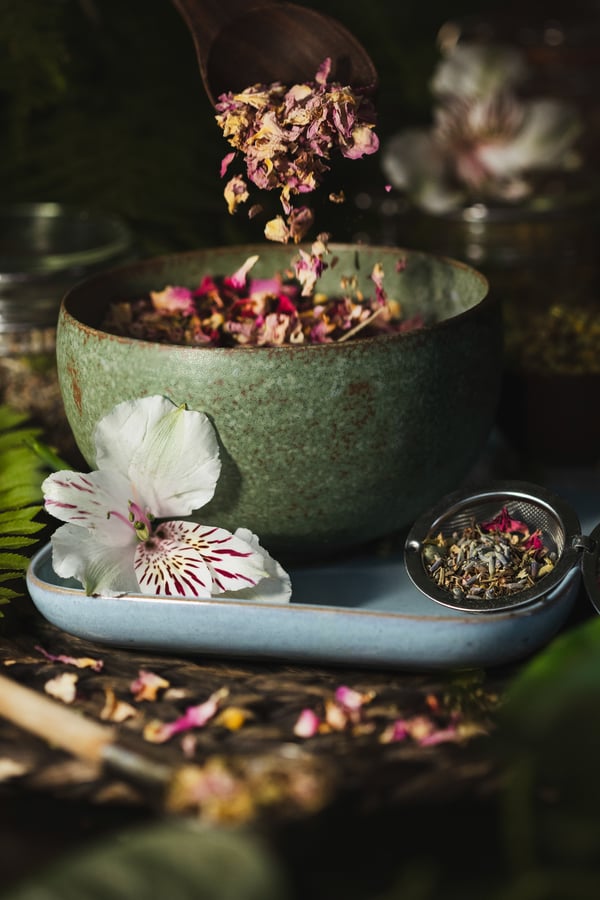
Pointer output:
x,y
323,446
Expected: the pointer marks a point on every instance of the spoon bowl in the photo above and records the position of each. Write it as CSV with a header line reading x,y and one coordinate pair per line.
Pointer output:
x,y
240,43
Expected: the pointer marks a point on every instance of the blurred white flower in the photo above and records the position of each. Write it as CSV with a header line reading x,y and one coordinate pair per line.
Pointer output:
x,y
471,70
486,143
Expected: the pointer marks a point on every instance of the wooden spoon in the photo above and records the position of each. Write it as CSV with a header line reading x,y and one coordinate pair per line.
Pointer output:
x,y
240,43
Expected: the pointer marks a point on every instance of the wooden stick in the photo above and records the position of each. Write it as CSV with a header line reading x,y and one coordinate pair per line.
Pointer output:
x,y
60,726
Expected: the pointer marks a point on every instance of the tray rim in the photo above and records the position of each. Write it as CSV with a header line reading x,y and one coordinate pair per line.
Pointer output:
x,y
438,612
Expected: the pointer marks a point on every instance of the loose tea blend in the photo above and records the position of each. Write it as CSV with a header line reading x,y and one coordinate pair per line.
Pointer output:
x,y
487,560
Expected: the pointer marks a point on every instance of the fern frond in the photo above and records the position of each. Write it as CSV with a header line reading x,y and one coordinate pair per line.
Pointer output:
x,y
21,475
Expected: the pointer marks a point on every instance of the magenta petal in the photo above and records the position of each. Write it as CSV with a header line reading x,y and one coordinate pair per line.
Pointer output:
x,y
194,717
226,162
307,724
349,698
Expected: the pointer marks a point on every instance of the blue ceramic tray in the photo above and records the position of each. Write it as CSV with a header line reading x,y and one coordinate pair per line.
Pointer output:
x,y
365,613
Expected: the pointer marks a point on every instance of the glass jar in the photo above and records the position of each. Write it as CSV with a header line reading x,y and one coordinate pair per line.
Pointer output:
x,y
46,248
541,261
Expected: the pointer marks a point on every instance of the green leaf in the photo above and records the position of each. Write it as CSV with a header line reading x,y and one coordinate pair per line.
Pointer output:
x,y
10,576
173,860
15,542
13,561
547,685
19,515
19,495
48,456
21,527
18,438
11,418
22,467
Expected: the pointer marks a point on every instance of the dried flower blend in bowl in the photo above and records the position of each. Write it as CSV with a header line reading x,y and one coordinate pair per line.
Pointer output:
x,y
238,310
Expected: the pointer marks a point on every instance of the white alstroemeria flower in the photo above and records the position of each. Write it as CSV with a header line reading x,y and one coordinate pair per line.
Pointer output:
x,y
155,461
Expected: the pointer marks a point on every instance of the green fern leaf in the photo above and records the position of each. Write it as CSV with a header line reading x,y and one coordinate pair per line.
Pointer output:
x,y
20,495
21,526
21,475
15,542
18,516
15,561
9,575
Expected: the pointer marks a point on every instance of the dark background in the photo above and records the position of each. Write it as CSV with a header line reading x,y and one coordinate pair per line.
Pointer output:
x,y
102,104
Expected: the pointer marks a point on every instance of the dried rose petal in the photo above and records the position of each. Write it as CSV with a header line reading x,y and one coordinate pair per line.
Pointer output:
x,y
504,522
115,710
235,193
287,135
194,717
277,230
307,724
147,685
350,699
173,300
227,310
63,687
233,718
81,662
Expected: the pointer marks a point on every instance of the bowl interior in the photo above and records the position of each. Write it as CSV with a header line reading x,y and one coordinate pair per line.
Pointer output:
x,y
435,287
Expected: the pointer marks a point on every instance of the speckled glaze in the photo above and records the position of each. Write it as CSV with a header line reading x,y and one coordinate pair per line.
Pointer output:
x,y
323,446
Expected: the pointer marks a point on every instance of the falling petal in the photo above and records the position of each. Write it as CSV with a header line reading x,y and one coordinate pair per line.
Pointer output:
x,y
277,230
226,162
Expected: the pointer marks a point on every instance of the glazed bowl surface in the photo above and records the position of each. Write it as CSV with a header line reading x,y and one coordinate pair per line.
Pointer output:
x,y
323,446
